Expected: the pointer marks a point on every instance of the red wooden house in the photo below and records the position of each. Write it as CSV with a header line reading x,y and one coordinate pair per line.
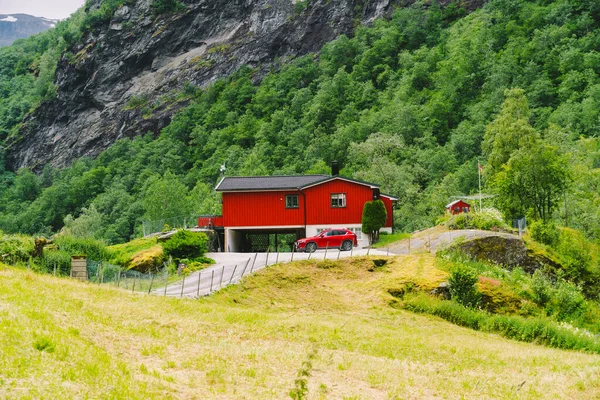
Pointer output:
x,y
302,206
458,207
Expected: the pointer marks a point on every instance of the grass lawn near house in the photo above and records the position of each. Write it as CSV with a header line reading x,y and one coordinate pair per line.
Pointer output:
x,y
384,240
65,339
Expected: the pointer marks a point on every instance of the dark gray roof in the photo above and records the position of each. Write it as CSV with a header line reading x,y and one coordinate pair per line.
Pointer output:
x,y
238,183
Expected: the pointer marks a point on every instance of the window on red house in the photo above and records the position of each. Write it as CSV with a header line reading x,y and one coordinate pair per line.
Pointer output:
x,y
338,200
291,201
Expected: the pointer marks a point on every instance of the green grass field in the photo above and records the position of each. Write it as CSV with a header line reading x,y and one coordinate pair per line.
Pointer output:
x,y
65,339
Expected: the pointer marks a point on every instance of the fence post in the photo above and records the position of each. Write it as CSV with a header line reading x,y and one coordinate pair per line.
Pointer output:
x,y
151,282
182,285
166,280
54,273
267,260
212,278
133,287
221,280
352,250
339,251
368,249
252,268
388,250
246,266
199,280
326,248
293,248
277,258
234,269
119,278
101,273
409,245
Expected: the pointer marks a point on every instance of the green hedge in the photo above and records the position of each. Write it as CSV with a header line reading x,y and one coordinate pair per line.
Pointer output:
x,y
536,330
488,219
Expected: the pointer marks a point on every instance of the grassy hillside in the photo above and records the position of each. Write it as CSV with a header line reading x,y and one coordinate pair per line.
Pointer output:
x,y
65,339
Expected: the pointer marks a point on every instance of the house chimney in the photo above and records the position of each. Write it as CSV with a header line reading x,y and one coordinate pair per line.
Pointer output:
x,y
335,168
376,194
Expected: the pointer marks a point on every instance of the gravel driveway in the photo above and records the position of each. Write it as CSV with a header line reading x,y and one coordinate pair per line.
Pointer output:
x,y
424,242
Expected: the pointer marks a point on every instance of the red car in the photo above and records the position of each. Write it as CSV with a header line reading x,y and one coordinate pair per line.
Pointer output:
x,y
329,238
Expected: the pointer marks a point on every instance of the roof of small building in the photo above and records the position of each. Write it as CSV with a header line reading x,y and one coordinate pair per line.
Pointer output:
x,y
456,202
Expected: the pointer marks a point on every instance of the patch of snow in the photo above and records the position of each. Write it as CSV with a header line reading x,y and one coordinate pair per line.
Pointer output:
x,y
9,19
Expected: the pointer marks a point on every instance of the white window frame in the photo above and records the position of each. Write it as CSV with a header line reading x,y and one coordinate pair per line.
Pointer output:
x,y
289,196
338,197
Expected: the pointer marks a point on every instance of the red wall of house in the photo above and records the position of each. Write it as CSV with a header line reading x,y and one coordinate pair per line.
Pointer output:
x,y
389,208
268,208
261,209
318,203
460,204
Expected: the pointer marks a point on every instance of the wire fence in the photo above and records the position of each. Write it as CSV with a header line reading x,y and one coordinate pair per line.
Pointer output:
x,y
167,224
109,274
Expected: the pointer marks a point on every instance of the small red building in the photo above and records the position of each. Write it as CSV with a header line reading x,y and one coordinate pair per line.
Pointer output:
x,y
302,206
458,207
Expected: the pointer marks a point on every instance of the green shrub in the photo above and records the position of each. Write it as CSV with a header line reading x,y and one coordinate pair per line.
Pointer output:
x,y
300,6
542,288
575,255
15,248
59,259
185,244
167,6
91,248
568,301
486,219
462,287
546,233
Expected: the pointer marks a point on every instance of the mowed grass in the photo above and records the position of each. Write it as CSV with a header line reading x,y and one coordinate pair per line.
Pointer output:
x,y
65,339
385,240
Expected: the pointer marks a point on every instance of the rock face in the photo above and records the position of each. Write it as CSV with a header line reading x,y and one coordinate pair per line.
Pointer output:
x,y
119,82
507,251
19,26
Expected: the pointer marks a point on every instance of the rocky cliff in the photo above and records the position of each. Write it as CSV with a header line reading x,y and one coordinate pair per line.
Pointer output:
x,y
121,79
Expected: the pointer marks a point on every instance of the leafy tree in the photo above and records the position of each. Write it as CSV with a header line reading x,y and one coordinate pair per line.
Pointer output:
x,y
373,219
509,131
166,197
533,182
87,225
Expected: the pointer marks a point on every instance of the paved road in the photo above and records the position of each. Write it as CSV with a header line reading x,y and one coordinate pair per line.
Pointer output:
x,y
231,267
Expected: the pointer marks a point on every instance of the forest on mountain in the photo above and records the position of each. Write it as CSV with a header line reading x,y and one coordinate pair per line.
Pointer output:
x,y
412,103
